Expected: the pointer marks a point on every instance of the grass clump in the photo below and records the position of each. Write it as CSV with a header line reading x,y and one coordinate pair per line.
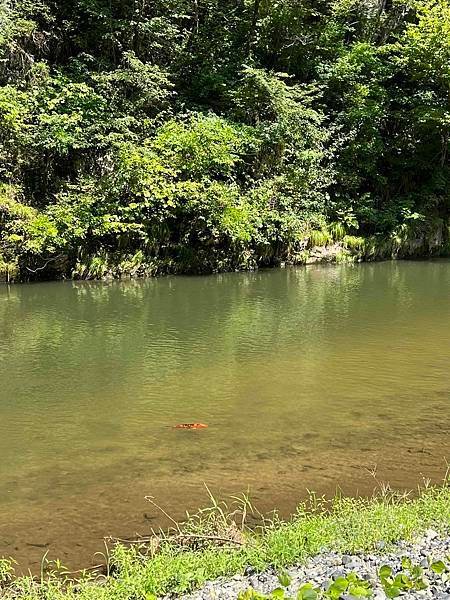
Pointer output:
x,y
319,237
219,541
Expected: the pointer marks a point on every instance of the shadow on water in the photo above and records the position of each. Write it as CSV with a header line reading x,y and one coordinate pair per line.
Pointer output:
x,y
308,378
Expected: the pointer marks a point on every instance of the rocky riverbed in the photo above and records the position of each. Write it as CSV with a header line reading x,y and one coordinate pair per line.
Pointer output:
x,y
328,567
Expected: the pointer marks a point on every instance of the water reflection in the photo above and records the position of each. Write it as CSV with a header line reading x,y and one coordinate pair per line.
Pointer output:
x,y
307,378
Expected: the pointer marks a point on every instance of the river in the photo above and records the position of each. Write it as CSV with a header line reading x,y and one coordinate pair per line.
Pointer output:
x,y
308,378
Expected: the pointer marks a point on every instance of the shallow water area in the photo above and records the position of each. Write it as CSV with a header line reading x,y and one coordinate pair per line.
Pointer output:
x,y
308,378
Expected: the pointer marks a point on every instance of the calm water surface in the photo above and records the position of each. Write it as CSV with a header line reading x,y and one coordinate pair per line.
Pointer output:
x,y
309,378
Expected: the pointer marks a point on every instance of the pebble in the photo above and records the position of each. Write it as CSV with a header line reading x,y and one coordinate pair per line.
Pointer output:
x,y
327,566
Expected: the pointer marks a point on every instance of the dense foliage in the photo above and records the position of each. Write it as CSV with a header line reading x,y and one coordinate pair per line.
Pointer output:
x,y
142,136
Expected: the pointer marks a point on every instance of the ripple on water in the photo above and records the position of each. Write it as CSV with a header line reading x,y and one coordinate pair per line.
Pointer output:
x,y
307,378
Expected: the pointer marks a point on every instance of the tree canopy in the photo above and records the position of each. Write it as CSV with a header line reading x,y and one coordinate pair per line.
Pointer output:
x,y
146,136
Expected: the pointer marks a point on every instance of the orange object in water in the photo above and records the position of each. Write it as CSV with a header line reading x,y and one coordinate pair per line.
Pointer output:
x,y
191,426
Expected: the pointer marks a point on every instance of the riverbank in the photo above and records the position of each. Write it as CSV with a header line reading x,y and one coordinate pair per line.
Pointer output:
x,y
332,243
219,542
417,569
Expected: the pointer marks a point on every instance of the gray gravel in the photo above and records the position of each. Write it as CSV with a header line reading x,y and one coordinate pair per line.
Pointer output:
x,y
325,567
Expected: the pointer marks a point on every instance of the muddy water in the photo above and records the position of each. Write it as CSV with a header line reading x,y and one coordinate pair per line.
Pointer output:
x,y
309,378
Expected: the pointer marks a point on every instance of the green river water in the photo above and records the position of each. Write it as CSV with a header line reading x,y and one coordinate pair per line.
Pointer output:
x,y
309,378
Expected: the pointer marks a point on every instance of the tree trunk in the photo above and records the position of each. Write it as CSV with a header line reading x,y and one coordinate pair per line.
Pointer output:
x,y
252,32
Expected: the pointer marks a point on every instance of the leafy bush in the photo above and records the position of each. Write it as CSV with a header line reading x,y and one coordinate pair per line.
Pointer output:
x,y
217,137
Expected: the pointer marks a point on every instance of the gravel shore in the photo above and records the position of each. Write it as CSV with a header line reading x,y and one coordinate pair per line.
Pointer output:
x,y
327,566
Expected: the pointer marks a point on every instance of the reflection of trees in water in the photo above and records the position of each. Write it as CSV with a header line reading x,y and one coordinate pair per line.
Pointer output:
x,y
171,345
163,322
278,360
